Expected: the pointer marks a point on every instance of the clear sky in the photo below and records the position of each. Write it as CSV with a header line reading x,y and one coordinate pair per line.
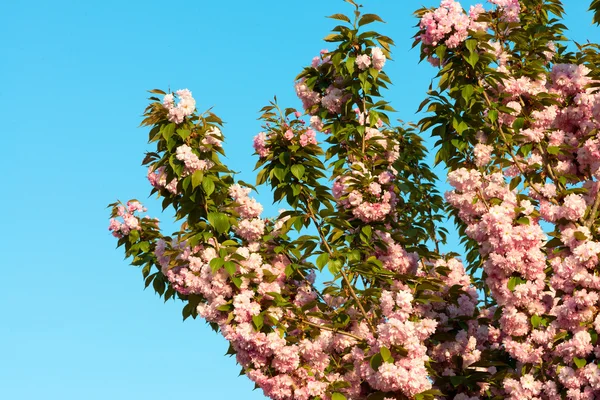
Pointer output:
x,y
75,320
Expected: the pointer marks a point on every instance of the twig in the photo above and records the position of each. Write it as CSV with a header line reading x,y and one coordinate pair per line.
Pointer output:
x,y
592,216
344,276
335,330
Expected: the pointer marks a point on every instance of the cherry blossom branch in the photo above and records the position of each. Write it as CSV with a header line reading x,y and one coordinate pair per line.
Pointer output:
x,y
592,216
513,157
344,276
334,330
549,168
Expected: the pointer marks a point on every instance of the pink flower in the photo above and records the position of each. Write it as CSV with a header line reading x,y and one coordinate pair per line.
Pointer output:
x,y
260,145
308,137
378,58
363,61
184,108
573,208
316,123
510,9
448,23
309,97
332,100
191,161
482,154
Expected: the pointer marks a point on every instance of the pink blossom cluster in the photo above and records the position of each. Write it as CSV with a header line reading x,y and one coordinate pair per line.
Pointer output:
x,y
377,59
130,221
483,154
260,145
363,61
548,291
158,179
322,58
302,369
376,203
248,207
191,161
250,226
285,371
365,191
267,358
213,138
516,249
307,137
394,257
458,319
184,108
308,96
509,9
316,123
449,24
332,97
291,135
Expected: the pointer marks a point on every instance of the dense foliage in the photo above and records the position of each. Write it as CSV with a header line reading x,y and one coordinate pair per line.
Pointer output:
x,y
345,294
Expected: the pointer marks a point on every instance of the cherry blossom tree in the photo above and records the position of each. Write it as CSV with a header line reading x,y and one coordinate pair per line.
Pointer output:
x,y
346,293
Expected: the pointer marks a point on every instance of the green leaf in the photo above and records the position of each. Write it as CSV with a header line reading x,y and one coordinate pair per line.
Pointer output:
x,y
168,130
258,321
523,221
134,236
208,185
340,17
518,124
467,92
350,64
183,133
279,173
376,361
230,267
219,221
553,150
386,355
369,18
298,171
580,235
338,396
197,178
440,52
514,281
536,321
367,231
333,37
595,8
471,44
216,264
579,362
322,260
334,266
472,59
459,144
341,320
457,380
594,336
461,127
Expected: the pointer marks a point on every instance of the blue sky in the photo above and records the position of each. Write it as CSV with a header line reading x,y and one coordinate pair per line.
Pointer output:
x,y
76,322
